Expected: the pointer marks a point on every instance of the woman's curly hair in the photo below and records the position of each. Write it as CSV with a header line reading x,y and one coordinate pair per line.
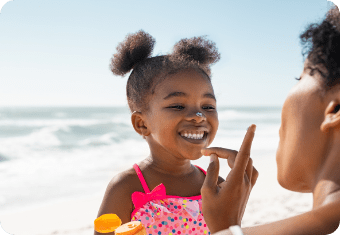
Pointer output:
x,y
134,53
321,44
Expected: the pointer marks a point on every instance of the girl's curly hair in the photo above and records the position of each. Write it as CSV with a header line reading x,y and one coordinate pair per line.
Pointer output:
x,y
321,44
134,53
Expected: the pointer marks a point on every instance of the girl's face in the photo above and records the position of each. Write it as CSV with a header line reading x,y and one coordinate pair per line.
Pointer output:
x,y
302,143
174,128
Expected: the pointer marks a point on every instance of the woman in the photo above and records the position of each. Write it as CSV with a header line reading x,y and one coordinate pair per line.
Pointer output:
x,y
308,156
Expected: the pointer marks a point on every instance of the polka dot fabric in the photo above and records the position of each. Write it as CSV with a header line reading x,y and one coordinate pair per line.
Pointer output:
x,y
172,216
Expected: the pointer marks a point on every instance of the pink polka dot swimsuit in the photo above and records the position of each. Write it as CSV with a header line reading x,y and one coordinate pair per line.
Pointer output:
x,y
166,214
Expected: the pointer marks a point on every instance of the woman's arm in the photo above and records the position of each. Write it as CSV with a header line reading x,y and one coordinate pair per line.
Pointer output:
x,y
117,199
320,221
223,204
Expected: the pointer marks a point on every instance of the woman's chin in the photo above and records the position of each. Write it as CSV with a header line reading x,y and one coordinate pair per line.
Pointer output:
x,y
293,185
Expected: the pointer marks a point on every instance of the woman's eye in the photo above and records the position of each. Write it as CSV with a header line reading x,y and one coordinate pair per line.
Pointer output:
x,y
298,78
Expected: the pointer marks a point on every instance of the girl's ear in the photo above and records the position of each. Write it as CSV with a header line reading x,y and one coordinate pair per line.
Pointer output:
x,y
139,124
332,116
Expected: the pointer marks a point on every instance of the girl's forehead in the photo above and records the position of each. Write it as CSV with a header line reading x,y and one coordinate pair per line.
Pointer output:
x,y
184,80
184,89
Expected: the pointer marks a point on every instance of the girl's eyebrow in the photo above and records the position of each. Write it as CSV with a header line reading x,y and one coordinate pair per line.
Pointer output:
x,y
182,94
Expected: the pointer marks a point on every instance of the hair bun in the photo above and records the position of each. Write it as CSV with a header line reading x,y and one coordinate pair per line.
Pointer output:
x,y
197,49
333,17
134,49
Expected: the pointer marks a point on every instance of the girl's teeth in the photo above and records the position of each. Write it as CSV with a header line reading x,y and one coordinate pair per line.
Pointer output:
x,y
193,136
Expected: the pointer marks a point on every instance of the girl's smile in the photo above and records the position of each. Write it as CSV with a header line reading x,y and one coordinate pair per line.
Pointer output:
x,y
197,136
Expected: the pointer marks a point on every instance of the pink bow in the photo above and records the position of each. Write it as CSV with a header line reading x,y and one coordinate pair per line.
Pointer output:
x,y
139,198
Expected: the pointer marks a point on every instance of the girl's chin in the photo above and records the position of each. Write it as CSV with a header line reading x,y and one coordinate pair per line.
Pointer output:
x,y
191,154
194,157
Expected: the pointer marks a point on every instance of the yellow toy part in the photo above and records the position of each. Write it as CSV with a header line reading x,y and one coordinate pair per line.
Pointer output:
x,y
107,223
131,228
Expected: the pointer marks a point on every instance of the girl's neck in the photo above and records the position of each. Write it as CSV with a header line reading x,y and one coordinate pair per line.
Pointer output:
x,y
169,166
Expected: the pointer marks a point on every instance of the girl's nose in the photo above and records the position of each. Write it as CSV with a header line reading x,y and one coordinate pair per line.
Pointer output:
x,y
196,116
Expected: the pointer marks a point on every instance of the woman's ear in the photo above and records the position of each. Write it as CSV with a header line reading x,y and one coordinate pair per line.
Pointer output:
x,y
332,116
139,124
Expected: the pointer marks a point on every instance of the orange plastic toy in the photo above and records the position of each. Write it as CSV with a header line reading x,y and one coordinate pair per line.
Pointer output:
x,y
107,223
131,228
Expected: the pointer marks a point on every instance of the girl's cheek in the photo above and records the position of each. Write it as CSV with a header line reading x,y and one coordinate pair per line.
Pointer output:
x,y
217,122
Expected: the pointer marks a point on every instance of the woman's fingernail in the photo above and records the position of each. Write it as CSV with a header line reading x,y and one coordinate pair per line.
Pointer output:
x,y
211,158
253,129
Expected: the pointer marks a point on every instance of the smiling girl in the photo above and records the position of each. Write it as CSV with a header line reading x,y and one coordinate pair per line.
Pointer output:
x,y
173,107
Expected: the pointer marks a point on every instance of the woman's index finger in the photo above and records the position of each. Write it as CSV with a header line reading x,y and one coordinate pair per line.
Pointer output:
x,y
220,152
244,153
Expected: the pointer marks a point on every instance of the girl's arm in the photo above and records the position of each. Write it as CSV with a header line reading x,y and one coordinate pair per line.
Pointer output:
x,y
117,199
323,220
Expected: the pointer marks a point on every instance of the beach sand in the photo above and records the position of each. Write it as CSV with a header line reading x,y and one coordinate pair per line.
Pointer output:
x,y
268,202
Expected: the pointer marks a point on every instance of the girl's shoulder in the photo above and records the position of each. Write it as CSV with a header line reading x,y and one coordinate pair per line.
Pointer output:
x,y
117,197
126,182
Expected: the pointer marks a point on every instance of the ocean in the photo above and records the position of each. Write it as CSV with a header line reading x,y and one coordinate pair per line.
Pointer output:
x,y
56,153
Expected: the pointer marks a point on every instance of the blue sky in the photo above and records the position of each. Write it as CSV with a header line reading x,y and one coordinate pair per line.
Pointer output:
x,y
57,53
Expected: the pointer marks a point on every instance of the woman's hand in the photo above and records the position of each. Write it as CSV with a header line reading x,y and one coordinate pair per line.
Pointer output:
x,y
223,205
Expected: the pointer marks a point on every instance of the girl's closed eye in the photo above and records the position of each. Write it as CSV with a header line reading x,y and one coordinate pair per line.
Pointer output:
x,y
176,107
209,108
180,107
298,78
